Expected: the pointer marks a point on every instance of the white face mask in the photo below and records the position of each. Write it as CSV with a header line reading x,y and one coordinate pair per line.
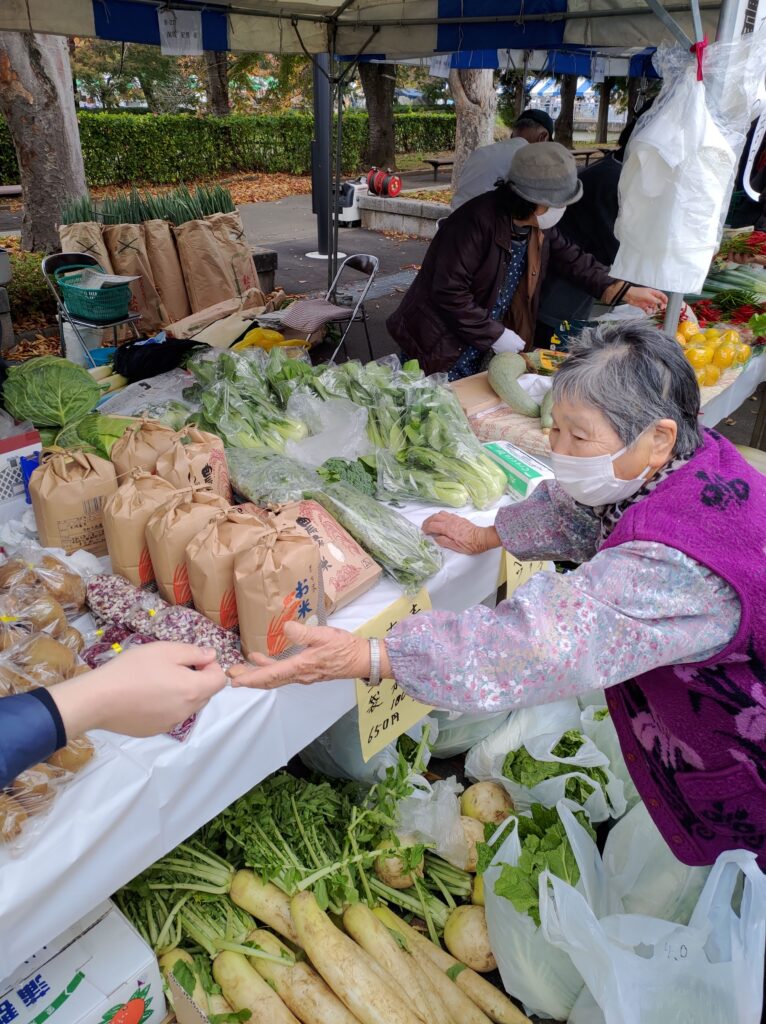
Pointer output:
x,y
591,481
551,217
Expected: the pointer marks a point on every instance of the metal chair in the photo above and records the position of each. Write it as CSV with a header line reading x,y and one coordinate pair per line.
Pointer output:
x,y
50,265
311,314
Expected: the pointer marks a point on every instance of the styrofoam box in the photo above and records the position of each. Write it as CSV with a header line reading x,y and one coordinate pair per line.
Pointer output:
x,y
98,970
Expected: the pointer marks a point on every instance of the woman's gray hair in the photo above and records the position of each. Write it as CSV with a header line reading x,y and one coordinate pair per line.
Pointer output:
x,y
634,375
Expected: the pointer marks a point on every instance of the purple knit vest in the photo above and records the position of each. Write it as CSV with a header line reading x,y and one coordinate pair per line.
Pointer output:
x,y
694,736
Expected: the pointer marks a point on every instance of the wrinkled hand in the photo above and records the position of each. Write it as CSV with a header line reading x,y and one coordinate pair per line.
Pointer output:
x,y
327,654
141,692
747,257
648,299
459,534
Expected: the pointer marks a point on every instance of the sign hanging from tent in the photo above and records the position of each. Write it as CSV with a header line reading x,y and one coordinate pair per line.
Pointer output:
x,y
180,33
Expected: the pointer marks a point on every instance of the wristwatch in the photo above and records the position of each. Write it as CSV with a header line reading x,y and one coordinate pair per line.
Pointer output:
x,y
374,676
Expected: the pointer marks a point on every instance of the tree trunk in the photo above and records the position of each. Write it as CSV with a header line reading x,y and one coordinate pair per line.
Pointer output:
x,y
37,102
378,83
475,105
147,88
564,131
217,64
602,122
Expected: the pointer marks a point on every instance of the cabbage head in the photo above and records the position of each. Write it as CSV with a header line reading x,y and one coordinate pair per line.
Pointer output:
x,y
50,391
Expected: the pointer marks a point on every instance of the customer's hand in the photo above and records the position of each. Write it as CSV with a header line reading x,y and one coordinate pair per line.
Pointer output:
x,y
327,654
141,692
459,534
747,257
648,299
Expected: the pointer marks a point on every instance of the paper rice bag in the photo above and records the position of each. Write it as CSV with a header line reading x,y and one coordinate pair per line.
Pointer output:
x,y
169,532
86,237
127,251
166,268
277,581
68,491
140,447
210,560
347,569
126,514
196,459
230,234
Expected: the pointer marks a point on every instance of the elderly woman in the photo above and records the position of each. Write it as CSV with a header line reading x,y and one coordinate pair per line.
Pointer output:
x,y
667,610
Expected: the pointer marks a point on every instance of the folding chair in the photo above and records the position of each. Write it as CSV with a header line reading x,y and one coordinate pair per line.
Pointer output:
x,y
310,314
57,261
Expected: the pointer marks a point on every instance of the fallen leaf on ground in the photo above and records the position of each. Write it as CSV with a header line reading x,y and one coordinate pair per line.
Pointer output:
x,y
411,266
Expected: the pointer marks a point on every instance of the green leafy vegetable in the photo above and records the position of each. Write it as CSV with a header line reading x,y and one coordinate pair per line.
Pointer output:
x,y
94,433
50,391
519,766
355,474
184,975
268,478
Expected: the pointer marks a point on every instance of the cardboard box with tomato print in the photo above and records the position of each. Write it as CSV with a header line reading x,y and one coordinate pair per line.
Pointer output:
x,y
99,971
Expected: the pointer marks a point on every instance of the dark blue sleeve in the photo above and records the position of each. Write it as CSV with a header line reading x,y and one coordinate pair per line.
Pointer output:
x,y
31,729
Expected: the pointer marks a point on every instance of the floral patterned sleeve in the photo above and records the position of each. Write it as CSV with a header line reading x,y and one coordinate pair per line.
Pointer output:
x,y
629,609
548,525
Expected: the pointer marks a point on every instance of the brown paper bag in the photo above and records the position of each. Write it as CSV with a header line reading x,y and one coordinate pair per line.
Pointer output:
x,y
207,271
127,251
196,459
166,269
230,233
192,325
276,582
68,492
210,560
126,515
86,237
347,569
169,532
140,447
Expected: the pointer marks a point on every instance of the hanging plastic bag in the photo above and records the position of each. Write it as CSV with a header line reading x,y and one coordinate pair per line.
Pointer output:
x,y
533,970
549,734
596,723
337,753
641,970
458,732
644,872
432,814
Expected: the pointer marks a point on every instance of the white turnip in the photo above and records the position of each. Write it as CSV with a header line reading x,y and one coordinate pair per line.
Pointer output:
x,y
487,802
391,868
467,938
473,833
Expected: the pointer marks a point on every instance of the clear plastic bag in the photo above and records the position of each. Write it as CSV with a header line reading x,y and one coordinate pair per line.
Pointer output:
x,y
641,970
682,161
596,723
33,566
337,429
458,732
539,730
43,659
533,970
269,479
432,814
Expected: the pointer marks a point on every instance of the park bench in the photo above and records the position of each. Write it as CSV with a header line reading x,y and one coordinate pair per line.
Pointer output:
x,y
437,163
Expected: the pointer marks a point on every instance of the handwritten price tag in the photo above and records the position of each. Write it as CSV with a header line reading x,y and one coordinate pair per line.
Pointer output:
x,y
385,711
516,573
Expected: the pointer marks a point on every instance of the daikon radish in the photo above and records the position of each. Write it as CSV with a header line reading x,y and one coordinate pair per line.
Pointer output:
x,y
439,1012
298,985
265,902
244,989
457,1002
337,958
168,963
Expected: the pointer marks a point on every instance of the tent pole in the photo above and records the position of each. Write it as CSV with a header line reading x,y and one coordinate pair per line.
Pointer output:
x,y
333,262
321,151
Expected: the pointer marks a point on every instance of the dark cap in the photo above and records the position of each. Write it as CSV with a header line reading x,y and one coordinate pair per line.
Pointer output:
x,y
540,117
545,174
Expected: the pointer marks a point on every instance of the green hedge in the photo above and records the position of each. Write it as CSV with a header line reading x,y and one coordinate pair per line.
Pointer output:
x,y
122,148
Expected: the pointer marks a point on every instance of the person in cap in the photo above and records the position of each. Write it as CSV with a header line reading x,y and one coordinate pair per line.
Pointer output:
x,y
478,289
488,164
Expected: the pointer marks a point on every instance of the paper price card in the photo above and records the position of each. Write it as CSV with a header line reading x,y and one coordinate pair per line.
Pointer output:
x,y
385,711
516,573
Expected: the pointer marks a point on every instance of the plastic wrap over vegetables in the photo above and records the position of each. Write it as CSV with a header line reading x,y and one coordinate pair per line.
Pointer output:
x,y
266,478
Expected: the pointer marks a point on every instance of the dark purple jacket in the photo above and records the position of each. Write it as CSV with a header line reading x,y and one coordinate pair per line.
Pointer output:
x,y
694,736
448,304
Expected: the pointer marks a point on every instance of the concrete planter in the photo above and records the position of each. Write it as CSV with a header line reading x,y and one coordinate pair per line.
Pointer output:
x,y
410,216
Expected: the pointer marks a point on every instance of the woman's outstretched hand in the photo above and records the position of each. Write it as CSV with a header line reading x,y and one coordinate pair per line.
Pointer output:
x,y
459,534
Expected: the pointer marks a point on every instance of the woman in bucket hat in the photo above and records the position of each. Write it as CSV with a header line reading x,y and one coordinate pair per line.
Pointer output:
x,y
478,289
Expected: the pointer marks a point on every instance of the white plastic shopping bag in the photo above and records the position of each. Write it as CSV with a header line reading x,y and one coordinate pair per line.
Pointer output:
x,y
432,814
459,731
533,970
539,729
596,722
642,970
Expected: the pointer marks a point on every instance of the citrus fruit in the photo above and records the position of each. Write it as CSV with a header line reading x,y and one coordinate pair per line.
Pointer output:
x,y
699,355
700,375
743,352
712,333
724,355
730,336
688,328
681,339
711,375
698,339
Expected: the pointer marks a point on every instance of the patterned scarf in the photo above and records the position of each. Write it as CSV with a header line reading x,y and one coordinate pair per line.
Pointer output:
x,y
609,515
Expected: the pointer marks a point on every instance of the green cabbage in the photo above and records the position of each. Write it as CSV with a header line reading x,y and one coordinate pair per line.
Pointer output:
x,y
50,391
94,433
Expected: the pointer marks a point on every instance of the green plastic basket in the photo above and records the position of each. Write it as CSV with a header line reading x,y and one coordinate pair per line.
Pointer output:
x,y
98,305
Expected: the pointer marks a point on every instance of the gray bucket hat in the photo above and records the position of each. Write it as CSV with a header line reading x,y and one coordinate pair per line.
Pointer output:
x,y
545,173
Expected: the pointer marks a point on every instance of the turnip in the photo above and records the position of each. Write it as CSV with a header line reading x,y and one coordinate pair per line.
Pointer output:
x,y
477,893
467,938
473,833
487,802
391,868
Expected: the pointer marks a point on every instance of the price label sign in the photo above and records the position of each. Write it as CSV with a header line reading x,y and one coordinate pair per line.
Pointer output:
x,y
516,573
180,33
385,711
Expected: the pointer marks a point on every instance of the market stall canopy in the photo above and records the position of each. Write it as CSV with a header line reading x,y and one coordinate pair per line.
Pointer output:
x,y
383,28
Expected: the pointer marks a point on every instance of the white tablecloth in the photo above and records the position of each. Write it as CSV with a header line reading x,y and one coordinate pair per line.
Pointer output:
x,y
140,798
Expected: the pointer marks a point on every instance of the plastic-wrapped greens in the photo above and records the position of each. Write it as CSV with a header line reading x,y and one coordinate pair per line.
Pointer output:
x,y
267,478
